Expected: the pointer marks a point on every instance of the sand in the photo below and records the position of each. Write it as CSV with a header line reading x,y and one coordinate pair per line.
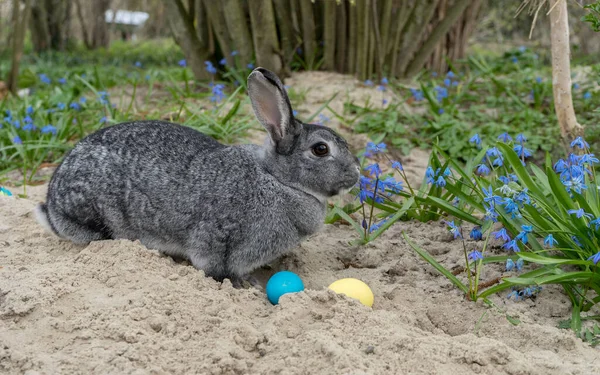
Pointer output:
x,y
115,307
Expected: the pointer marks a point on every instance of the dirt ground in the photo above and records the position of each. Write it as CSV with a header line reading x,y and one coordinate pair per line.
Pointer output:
x,y
115,307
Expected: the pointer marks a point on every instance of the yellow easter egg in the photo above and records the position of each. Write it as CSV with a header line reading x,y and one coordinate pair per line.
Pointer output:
x,y
354,288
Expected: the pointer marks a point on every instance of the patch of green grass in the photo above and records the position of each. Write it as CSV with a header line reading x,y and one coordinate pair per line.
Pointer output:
x,y
507,93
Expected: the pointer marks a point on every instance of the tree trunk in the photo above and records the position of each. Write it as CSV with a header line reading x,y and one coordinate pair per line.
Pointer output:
x,y
411,40
329,23
352,38
82,23
40,32
561,70
405,11
308,32
100,37
456,10
19,27
235,16
185,35
215,12
341,37
287,36
264,35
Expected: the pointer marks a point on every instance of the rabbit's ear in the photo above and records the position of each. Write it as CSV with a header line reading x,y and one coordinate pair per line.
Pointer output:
x,y
272,108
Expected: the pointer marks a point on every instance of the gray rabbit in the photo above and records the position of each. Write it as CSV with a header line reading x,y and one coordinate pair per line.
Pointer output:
x,y
228,209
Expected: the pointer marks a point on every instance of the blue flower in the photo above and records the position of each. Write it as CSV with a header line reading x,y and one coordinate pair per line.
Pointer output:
x,y
580,143
217,93
447,82
392,184
454,229
499,161
514,59
250,66
538,79
323,119
489,197
234,53
522,197
522,151
384,81
441,93
595,258
588,159
61,106
75,106
521,138
373,169
501,234
576,183
381,88
44,78
522,236
493,152
374,149
294,113
17,140
368,82
28,126
450,74
576,240
483,170
476,234
476,140
504,137
397,165
475,255
522,49
587,95
210,68
441,111
490,213
48,129
103,120
510,264
560,166
417,95
527,228
576,86
138,64
579,213
28,111
519,264
82,100
429,175
223,61
441,182
549,241
511,245
384,102
511,207
182,63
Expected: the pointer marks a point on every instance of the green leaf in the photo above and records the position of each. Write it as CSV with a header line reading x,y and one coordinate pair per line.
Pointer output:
x,y
347,217
514,161
426,256
407,205
538,259
448,208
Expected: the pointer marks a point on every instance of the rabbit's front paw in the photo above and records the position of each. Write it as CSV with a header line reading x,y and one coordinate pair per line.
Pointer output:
x,y
241,282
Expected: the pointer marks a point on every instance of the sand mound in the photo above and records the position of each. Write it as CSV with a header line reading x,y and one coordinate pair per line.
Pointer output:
x,y
116,307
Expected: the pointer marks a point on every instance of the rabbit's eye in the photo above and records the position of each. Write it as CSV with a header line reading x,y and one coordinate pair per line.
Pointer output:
x,y
320,149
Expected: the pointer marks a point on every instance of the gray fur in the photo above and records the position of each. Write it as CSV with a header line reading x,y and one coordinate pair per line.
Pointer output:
x,y
228,209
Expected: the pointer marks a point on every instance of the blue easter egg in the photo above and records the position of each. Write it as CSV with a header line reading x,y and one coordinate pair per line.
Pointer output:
x,y
282,283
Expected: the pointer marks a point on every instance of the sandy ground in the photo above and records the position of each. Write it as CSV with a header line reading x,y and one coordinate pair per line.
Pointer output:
x,y
115,307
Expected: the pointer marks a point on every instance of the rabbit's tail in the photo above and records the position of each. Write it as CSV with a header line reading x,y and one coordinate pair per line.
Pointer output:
x,y
41,215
